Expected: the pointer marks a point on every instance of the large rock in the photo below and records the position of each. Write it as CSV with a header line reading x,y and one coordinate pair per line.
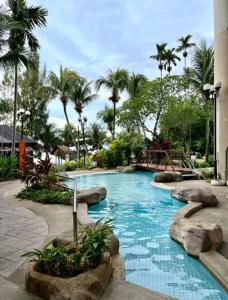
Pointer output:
x,y
168,176
86,286
128,169
205,196
195,236
92,196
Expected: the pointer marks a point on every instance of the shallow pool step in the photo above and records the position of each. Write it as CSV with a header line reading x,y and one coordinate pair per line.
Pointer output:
x,y
190,176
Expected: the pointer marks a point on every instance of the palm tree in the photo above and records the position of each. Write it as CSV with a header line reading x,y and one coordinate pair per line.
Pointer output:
x,y
202,72
21,37
107,117
159,56
61,86
135,83
66,135
81,95
117,82
170,59
97,136
184,45
49,137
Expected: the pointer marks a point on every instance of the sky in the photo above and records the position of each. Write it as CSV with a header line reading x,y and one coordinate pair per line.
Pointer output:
x,y
92,36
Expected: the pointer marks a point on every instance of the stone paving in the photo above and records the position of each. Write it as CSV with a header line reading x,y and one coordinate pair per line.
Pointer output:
x,y
20,231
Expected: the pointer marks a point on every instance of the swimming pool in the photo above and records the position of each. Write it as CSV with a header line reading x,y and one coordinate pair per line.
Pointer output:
x,y
152,260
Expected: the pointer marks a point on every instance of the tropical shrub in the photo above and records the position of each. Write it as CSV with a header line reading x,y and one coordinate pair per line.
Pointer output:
x,y
37,193
70,165
8,167
70,261
38,172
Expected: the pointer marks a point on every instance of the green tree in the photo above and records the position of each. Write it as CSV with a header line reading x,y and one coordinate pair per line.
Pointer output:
x,y
21,39
170,59
34,95
107,117
178,119
184,45
160,56
61,86
135,83
202,72
146,109
5,110
81,95
117,82
49,136
69,135
97,136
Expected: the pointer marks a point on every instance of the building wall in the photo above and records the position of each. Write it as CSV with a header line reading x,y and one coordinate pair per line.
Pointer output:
x,y
221,74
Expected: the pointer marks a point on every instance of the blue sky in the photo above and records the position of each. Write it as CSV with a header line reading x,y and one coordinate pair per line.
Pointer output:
x,y
91,36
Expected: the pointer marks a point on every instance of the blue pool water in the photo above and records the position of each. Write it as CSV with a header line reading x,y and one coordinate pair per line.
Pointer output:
x,y
152,260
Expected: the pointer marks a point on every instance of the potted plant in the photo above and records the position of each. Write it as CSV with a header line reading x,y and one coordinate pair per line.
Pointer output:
x,y
72,271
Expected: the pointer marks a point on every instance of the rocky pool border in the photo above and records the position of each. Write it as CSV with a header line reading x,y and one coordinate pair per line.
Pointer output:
x,y
212,260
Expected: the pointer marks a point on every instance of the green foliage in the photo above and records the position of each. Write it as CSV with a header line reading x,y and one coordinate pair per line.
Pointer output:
x,y
178,120
8,167
97,136
43,195
38,172
60,261
70,165
94,241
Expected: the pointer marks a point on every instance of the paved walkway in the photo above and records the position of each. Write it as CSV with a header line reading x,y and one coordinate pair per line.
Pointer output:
x,y
20,231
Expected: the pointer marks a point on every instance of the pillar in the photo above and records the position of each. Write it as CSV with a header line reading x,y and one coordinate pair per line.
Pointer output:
x,y
221,74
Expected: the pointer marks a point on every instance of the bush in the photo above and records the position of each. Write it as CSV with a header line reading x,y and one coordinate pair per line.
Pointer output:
x,y
38,172
8,167
70,165
70,261
44,195
101,158
202,164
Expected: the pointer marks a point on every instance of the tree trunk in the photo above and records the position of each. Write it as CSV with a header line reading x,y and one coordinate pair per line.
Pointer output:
x,y
14,109
114,120
65,113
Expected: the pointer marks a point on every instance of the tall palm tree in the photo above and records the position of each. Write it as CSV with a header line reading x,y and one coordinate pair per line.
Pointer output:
x,y
61,86
81,95
160,56
49,137
66,135
135,83
170,59
117,82
20,40
107,117
97,136
202,72
184,45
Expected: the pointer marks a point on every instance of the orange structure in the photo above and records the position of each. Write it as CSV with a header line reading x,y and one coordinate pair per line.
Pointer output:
x,y
22,154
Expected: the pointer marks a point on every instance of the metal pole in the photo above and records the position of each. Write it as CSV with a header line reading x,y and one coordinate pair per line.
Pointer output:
x,y
75,223
78,150
22,127
215,137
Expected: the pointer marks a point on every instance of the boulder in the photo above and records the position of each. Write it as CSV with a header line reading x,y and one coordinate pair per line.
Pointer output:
x,y
168,176
195,236
128,169
86,286
92,196
177,176
204,196
114,244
